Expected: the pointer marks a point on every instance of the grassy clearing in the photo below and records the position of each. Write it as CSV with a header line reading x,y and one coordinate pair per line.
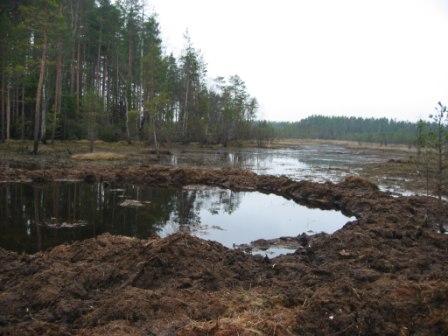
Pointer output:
x,y
99,156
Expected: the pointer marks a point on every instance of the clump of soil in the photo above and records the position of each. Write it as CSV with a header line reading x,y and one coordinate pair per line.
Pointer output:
x,y
158,152
357,182
384,274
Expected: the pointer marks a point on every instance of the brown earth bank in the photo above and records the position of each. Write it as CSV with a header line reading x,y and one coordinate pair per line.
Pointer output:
x,y
384,274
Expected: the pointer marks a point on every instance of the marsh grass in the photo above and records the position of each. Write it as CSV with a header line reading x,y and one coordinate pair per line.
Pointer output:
x,y
98,156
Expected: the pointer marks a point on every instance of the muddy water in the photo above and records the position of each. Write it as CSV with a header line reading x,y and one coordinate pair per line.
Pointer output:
x,y
34,218
314,162
317,162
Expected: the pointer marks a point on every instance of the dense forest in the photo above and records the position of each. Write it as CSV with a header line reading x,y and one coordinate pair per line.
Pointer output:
x,y
348,128
74,69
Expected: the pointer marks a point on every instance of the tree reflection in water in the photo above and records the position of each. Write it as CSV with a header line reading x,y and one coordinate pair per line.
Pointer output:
x,y
36,217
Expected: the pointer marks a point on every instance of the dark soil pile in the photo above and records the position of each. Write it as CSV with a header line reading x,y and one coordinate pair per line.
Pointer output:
x,y
384,274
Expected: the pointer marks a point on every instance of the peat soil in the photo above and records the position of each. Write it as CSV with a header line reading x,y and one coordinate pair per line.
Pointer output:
x,y
385,273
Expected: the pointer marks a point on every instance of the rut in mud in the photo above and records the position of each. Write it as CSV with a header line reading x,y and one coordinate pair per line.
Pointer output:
x,y
384,274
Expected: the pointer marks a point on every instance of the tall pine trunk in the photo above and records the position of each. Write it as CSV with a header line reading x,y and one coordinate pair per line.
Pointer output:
x,y
43,118
156,143
78,79
16,110
128,136
22,136
40,83
129,86
440,164
103,86
185,114
98,62
8,112
2,112
57,94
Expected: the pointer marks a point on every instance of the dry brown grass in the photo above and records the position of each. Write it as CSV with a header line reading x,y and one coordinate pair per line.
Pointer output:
x,y
249,313
279,143
98,156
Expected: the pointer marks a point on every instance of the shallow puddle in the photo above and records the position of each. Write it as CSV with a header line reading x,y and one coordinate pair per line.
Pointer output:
x,y
38,217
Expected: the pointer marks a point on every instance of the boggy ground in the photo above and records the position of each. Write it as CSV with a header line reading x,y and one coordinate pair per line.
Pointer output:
x,y
392,166
384,274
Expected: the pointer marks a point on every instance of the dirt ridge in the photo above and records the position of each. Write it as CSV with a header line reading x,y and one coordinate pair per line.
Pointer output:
x,y
384,274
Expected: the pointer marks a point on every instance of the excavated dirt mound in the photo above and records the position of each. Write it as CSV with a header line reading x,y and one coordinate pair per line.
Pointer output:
x,y
384,274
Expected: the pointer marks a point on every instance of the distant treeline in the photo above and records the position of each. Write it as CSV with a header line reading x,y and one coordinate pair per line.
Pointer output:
x,y
382,130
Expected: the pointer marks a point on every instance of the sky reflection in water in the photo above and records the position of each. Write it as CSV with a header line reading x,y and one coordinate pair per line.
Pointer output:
x,y
34,218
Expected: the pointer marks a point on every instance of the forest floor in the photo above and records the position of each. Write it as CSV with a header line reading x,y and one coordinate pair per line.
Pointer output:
x,y
386,273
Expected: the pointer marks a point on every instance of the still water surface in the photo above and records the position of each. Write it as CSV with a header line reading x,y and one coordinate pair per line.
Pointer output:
x,y
314,162
38,217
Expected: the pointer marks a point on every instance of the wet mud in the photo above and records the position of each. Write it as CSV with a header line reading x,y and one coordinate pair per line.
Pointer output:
x,y
386,273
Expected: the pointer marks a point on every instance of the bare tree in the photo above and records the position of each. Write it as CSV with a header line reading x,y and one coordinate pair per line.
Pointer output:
x,y
37,116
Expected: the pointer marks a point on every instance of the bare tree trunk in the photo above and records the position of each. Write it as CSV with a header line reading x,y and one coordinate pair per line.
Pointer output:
x,y
17,100
72,70
103,86
78,79
58,86
2,108
43,125
129,85
128,136
117,84
58,94
74,11
23,113
440,166
39,96
92,115
98,62
129,58
185,114
8,112
142,93
156,144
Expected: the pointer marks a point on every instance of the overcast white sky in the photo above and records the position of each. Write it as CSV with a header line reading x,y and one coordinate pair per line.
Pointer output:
x,y
370,58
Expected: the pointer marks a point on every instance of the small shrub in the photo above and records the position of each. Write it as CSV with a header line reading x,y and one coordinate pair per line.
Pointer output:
x,y
109,133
